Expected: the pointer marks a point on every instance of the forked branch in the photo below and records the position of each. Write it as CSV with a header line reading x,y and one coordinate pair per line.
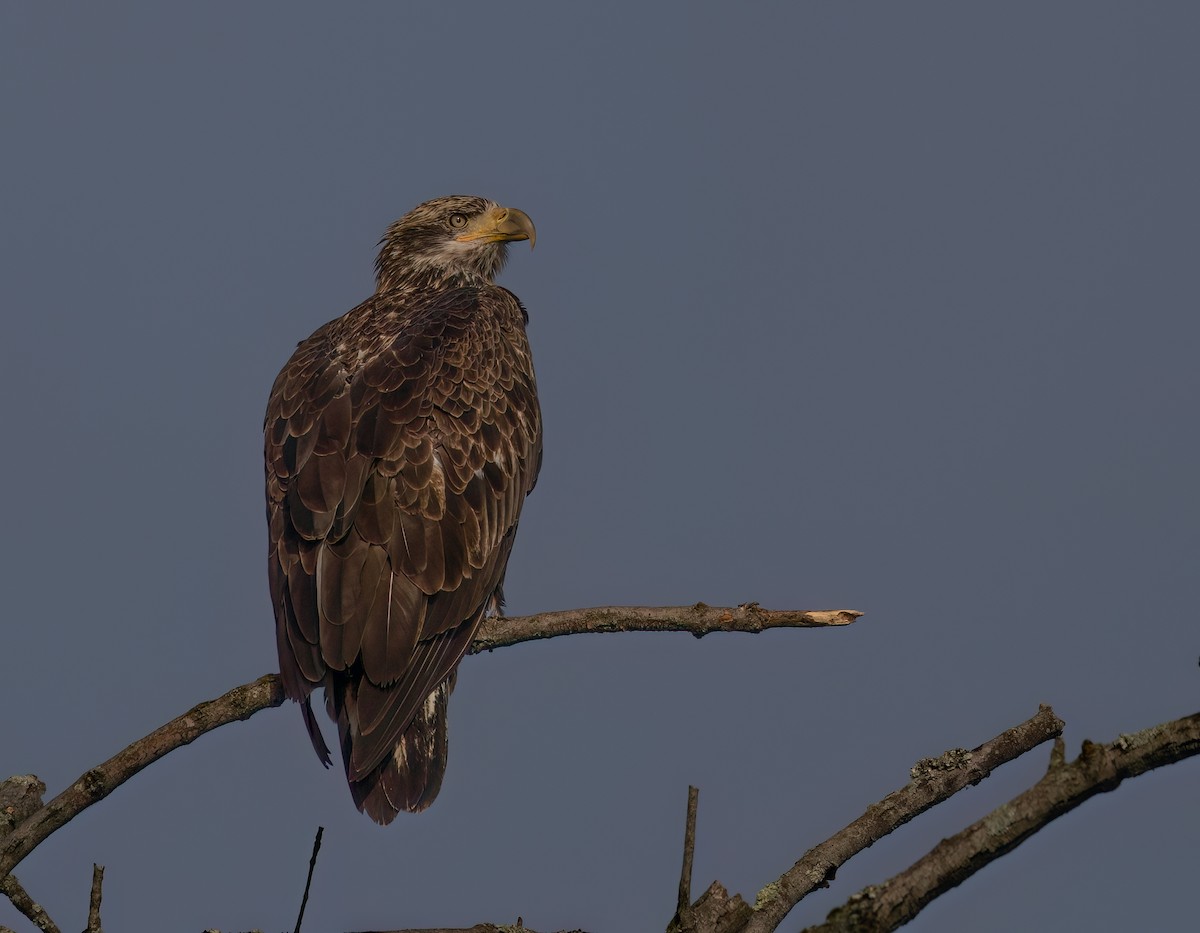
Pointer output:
x,y
1097,770
933,780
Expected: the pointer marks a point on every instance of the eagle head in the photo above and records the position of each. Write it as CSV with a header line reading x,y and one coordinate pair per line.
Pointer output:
x,y
457,240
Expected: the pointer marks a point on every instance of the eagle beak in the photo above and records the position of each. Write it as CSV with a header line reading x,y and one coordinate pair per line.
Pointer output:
x,y
501,224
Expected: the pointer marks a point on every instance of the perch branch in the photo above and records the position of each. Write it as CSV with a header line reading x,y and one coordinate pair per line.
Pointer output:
x,y
1097,770
933,780
266,692
699,620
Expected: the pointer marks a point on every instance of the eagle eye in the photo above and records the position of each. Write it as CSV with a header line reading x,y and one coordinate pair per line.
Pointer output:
x,y
458,220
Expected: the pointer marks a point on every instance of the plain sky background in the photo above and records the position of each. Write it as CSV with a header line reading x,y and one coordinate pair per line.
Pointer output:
x,y
890,307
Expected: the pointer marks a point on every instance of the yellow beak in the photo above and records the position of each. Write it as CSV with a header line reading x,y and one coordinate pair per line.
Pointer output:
x,y
500,224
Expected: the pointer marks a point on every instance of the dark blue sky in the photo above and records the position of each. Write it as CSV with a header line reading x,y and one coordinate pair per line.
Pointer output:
x,y
888,307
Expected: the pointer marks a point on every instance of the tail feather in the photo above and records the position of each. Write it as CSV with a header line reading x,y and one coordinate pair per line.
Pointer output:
x,y
314,732
409,779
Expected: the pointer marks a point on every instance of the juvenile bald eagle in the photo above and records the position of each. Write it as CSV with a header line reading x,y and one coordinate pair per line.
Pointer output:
x,y
401,440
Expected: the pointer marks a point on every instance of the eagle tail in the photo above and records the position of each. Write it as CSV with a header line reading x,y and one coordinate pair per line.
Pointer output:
x,y
408,779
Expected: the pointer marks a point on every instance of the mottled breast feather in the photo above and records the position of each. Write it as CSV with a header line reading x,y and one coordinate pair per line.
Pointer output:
x,y
401,441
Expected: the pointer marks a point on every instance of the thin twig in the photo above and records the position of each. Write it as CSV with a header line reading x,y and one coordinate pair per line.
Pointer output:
x,y
1097,770
699,620
933,780
312,863
689,850
94,901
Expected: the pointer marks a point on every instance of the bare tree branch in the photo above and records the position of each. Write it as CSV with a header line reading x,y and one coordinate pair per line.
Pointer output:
x,y
478,928
683,906
699,620
93,925
933,780
1097,770
96,784
20,796
11,888
885,907
312,863
716,911
244,701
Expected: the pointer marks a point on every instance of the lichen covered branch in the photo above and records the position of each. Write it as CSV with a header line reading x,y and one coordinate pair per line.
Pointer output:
x,y
31,909
1097,770
933,780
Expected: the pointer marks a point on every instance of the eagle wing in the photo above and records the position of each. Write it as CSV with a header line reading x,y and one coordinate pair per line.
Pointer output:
x,y
401,441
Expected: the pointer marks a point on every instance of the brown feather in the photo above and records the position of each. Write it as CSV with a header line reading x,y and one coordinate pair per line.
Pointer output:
x,y
396,622
423,748
376,515
303,597
384,714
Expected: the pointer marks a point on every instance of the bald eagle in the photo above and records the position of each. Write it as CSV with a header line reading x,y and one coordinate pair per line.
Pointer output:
x,y
401,440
